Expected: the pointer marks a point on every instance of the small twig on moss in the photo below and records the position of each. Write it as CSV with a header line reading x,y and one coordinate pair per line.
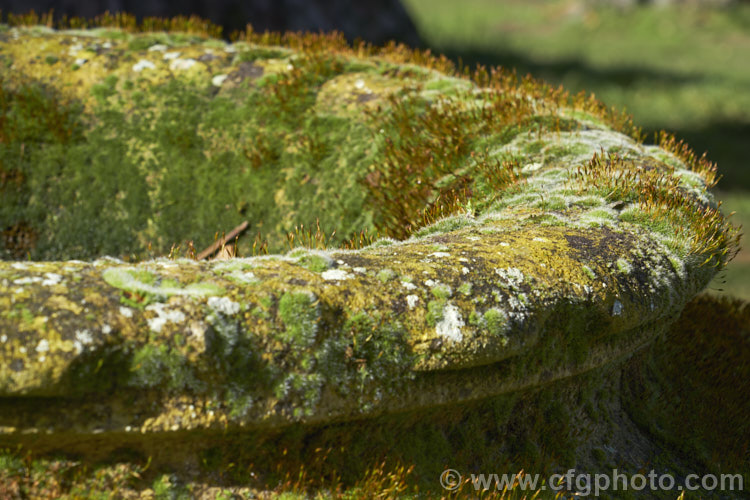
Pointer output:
x,y
221,242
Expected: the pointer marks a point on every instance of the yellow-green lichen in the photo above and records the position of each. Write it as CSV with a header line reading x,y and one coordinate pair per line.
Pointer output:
x,y
145,282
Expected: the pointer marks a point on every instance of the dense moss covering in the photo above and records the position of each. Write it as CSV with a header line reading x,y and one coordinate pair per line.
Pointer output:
x,y
528,247
128,144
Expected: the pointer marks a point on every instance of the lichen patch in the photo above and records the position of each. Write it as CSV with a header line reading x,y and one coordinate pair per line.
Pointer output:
x,y
451,324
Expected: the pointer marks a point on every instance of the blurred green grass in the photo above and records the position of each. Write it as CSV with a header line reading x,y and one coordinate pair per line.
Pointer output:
x,y
684,69
735,279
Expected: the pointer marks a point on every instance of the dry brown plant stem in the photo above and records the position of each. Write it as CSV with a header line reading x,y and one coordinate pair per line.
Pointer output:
x,y
221,242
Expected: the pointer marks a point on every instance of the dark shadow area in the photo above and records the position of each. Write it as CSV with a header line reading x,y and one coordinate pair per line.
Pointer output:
x,y
533,430
554,71
375,21
727,144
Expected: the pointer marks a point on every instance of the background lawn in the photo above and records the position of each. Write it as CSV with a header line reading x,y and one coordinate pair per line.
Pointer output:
x,y
683,69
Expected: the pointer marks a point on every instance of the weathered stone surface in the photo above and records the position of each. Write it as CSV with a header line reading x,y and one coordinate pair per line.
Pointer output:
x,y
585,250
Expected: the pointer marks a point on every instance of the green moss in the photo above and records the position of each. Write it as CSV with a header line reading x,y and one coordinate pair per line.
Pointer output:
x,y
441,291
10,463
160,367
139,300
444,226
599,214
474,318
385,275
107,88
112,34
86,207
27,316
314,263
591,201
169,160
624,266
536,124
371,359
647,220
143,42
296,163
266,302
29,475
552,203
446,84
259,53
173,119
299,312
589,272
550,221
139,275
10,313
496,323
534,147
435,311
259,312
169,283
146,284
167,487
